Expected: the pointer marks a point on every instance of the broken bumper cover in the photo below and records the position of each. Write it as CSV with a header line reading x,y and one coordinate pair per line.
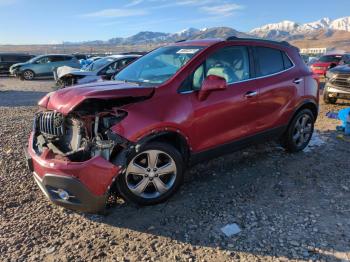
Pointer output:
x,y
70,193
80,186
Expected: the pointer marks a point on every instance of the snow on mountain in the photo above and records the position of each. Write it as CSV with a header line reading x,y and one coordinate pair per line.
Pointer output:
x,y
282,26
341,24
324,23
290,28
187,32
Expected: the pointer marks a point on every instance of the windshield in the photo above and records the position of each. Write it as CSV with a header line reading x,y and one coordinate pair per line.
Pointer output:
x,y
98,64
330,58
34,59
158,66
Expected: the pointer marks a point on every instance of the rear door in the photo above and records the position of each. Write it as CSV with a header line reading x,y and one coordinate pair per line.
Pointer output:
x,y
278,82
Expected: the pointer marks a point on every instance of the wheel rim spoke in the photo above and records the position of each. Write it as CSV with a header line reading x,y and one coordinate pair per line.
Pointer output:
x,y
296,136
167,168
159,185
141,186
152,159
136,169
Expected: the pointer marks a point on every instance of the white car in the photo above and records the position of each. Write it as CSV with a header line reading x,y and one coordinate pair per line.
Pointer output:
x,y
101,69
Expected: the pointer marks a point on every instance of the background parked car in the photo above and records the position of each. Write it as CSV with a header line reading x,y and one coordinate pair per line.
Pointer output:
x,y
8,59
326,62
42,66
337,82
101,69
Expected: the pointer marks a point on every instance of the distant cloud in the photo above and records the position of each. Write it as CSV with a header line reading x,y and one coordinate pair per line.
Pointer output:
x,y
134,2
221,10
116,12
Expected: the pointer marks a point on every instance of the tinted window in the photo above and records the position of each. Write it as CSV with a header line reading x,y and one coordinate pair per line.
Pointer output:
x,y
59,58
330,58
270,61
286,61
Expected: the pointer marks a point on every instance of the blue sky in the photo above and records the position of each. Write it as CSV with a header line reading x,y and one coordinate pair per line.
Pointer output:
x,y
49,21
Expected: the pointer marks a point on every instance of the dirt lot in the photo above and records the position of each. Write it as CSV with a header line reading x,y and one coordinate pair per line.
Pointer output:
x,y
289,207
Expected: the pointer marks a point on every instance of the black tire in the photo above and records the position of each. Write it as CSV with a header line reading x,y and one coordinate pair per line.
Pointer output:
x,y
27,75
123,183
329,100
289,139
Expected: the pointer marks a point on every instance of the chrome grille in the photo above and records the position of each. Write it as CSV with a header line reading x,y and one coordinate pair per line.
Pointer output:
x,y
341,80
50,123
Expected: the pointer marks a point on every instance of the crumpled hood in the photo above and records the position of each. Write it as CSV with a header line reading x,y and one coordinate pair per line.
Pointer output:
x,y
65,100
67,70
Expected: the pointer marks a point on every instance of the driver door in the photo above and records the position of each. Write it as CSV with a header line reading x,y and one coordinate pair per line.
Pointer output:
x,y
230,114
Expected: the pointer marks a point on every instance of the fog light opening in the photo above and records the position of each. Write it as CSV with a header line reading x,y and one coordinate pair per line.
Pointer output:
x,y
64,195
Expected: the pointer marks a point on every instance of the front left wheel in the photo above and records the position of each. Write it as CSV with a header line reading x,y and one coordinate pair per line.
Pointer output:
x,y
152,175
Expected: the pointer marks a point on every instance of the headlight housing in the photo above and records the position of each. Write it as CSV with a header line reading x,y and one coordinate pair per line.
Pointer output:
x,y
330,75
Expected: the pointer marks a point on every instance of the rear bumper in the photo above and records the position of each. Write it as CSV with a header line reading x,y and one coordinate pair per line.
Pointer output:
x,y
87,183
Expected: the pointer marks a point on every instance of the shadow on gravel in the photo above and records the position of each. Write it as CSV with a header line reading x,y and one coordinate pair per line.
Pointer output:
x,y
20,98
287,205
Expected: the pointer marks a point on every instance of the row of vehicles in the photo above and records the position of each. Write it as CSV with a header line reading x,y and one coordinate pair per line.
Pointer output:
x,y
336,70
67,69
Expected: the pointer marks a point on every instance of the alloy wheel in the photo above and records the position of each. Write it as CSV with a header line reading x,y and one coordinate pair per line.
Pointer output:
x,y
151,174
302,130
28,75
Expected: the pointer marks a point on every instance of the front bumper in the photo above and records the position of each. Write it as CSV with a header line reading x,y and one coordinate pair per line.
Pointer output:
x,y
87,183
338,92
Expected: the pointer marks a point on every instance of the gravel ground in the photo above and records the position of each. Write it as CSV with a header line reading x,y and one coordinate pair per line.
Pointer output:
x,y
289,207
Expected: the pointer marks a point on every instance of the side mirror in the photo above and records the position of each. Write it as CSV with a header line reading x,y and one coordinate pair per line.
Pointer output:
x,y
211,83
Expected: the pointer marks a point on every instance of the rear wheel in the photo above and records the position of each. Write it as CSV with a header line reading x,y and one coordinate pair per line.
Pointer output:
x,y
27,75
152,175
299,132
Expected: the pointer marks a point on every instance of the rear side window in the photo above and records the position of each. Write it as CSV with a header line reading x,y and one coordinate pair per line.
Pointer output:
x,y
286,61
270,61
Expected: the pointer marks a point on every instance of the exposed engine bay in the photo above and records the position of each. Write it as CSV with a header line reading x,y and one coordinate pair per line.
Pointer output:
x,y
80,135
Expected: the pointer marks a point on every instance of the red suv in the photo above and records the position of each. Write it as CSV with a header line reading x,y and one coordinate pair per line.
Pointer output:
x,y
326,62
173,107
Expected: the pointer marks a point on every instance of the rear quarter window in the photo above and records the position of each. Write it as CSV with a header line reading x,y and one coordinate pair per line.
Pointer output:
x,y
269,61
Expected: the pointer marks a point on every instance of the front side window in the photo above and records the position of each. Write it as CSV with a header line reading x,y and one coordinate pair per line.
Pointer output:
x,y
158,66
231,63
42,60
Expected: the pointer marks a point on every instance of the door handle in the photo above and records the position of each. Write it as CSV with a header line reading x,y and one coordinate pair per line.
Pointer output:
x,y
250,94
298,81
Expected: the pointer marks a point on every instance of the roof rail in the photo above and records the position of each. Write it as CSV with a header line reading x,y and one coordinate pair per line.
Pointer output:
x,y
182,40
235,38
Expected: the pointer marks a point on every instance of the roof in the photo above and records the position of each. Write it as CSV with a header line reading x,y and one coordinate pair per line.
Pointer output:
x,y
123,56
198,42
208,42
9,53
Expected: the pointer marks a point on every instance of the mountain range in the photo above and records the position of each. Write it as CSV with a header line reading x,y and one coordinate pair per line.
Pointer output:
x,y
333,33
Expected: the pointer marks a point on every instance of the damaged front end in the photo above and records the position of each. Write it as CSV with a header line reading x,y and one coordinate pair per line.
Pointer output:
x,y
78,137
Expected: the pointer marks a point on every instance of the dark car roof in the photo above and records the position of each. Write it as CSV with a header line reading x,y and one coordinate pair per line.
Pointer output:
x,y
21,54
